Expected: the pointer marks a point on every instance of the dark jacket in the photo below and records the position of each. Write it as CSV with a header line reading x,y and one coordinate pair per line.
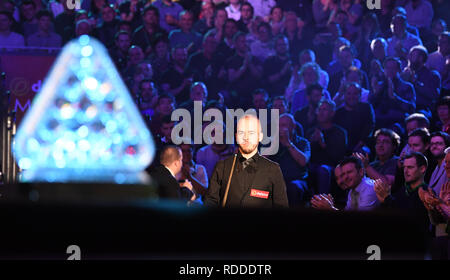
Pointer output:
x,y
168,186
267,188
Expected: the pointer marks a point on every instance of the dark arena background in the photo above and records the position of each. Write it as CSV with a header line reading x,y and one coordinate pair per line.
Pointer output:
x,y
239,131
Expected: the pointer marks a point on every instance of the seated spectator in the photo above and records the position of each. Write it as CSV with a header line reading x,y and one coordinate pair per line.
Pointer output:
x,y
164,107
367,34
198,92
419,13
280,103
426,83
378,46
361,196
260,99
206,18
344,62
431,41
119,54
44,38
64,23
356,117
208,65
392,98
352,75
7,37
297,82
147,98
278,68
160,57
310,74
443,112
226,46
328,145
171,159
130,10
293,30
307,116
401,41
106,31
247,13
29,21
262,48
438,143
220,17
146,35
193,172
169,12
176,80
276,20
436,60
186,37
293,156
385,165
83,27
234,10
244,72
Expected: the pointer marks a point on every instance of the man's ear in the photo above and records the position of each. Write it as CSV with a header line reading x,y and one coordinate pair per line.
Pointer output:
x,y
423,169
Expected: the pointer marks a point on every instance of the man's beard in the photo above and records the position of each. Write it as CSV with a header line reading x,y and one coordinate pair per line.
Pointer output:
x,y
248,148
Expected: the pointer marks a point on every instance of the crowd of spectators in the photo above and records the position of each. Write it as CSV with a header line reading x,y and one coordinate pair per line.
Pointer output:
x,y
362,94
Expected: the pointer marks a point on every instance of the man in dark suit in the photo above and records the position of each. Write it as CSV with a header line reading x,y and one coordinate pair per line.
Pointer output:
x,y
255,182
171,159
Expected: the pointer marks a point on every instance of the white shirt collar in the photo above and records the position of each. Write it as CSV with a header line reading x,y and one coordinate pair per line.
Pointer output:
x,y
169,171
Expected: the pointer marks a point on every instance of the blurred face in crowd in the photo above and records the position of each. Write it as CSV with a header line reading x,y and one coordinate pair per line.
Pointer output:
x,y
352,96
444,44
248,134
198,93
230,29
339,177
259,101
221,17
125,27
411,125
277,14
108,14
264,33
342,18
166,130
412,172
83,28
282,46
146,69
45,23
180,56
186,149
286,124
280,105
353,77
438,27
310,76
384,148
325,113
151,18
148,90
398,27
443,113
315,97
210,44
161,49
135,54
345,58
186,21
28,12
437,146
378,50
123,42
7,6
5,23
391,69
207,10
416,144
246,12
352,177
290,22
416,59
241,44
165,106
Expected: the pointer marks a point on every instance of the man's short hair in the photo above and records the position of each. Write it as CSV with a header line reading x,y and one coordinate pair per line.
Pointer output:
x,y
249,5
351,159
444,101
169,154
356,70
420,118
400,17
329,102
443,135
165,95
422,133
237,35
28,2
421,160
261,91
355,85
121,32
379,39
44,13
422,50
280,97
396,60
395,138
150,8
310,52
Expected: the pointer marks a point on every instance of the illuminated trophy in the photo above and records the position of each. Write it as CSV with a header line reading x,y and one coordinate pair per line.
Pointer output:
x,y
83,125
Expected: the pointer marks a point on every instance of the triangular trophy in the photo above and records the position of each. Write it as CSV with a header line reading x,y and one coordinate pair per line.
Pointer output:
x,y
83,125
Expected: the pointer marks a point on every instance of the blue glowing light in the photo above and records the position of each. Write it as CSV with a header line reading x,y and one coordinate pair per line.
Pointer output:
x,y
83,124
